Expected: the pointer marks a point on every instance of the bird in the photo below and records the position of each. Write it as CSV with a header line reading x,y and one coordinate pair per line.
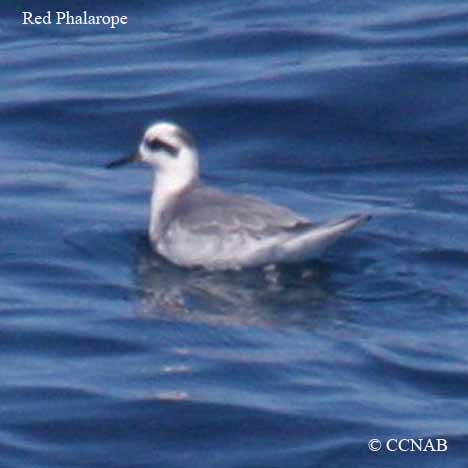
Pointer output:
x,y
194,225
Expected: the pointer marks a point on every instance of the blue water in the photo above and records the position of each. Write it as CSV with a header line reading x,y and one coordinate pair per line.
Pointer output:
x,y
112,357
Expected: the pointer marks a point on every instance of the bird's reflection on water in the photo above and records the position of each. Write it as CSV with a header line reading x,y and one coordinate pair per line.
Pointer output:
x,y
290,295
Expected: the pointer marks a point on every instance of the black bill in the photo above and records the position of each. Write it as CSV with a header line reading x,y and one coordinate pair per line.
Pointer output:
x,y
127,159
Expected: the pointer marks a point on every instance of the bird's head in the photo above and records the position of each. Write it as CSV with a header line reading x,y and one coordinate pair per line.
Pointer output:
x,y
168,148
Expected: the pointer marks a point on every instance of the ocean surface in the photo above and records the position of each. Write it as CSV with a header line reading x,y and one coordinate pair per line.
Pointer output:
x,y
112,357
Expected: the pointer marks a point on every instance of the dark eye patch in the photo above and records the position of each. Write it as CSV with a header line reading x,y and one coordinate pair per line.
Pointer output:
x,y
156,145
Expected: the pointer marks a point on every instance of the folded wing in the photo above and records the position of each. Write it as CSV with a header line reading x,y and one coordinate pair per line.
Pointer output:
x,y
207,210
221,230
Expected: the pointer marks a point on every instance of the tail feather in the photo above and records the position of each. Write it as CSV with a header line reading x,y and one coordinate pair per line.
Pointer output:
x,y
312,243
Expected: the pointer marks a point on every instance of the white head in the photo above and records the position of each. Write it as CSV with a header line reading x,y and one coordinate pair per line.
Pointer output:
x,y
171,151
